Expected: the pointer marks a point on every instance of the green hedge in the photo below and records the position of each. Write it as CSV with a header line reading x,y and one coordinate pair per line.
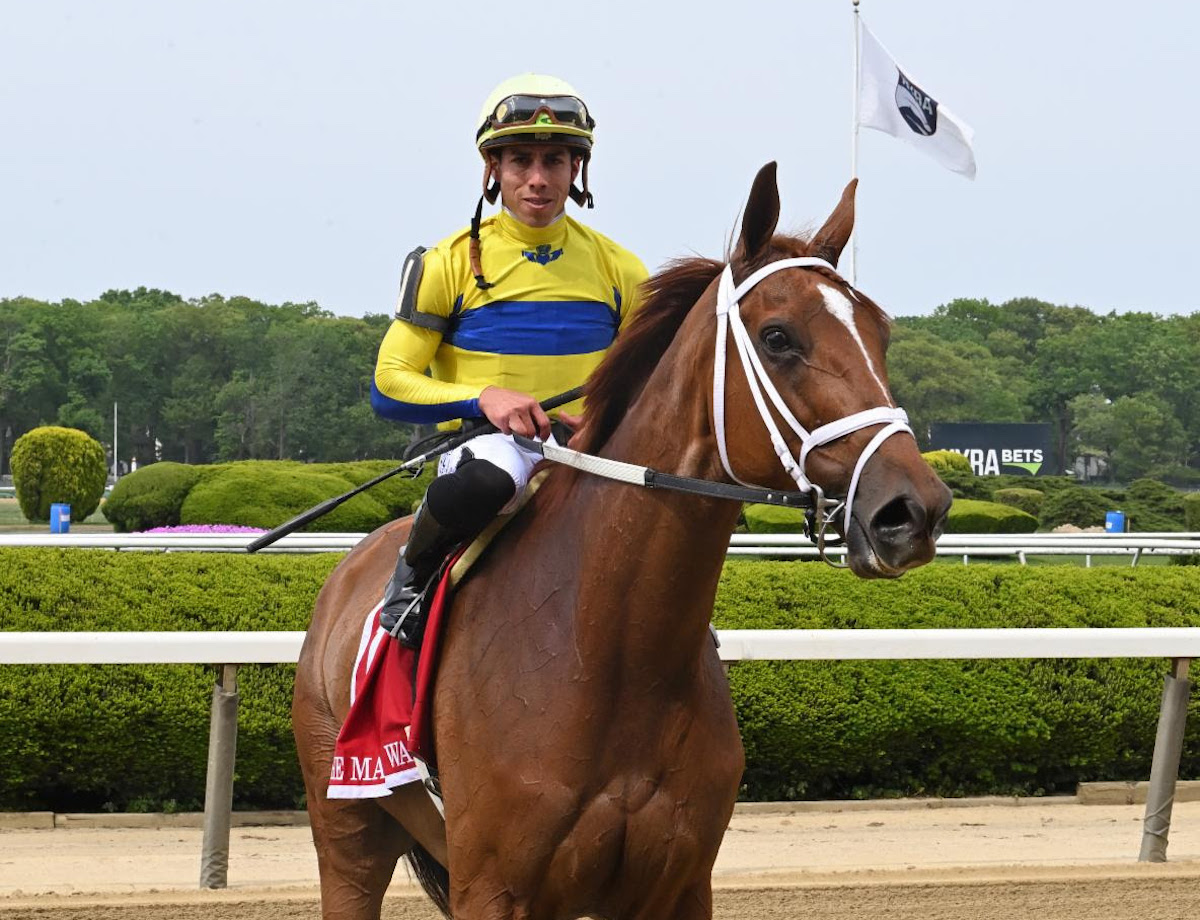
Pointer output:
x,y
1028,500
89,738
135,738
773,519
151,496
857,729
1154,506
261,493
1077,506
969,516
946,460
254,497
1191,507
58,465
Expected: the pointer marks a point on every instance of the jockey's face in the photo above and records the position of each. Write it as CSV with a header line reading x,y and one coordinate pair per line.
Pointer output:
x,y
535,180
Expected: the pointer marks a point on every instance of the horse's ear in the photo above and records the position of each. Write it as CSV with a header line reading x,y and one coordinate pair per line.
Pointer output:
x,y
762,213
831,239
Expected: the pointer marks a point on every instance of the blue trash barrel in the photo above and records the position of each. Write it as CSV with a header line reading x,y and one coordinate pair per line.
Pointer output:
x,y
1114,522
60,518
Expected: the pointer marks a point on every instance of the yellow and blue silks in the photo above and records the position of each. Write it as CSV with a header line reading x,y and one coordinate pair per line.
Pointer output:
x,y
561,294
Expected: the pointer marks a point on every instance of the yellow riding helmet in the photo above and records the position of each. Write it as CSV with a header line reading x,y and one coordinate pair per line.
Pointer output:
x,y
534,108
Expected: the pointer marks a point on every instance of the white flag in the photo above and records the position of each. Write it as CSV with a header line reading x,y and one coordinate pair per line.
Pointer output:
x,y
890,100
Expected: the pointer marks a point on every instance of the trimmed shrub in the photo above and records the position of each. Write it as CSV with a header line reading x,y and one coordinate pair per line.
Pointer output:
x,y
1191,511
1027,500
1154,506
254,495
970,516
944,461
983,488
858,729
251,492
1077,505
773,519
151,496
400,495
135,738
53,464
820,729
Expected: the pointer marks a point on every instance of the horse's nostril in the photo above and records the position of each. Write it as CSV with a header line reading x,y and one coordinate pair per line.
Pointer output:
x,y
900,514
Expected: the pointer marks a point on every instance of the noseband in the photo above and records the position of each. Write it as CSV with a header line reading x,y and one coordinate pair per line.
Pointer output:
x,y
729,321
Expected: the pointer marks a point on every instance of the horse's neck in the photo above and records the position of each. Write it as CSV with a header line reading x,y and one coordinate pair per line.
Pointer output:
x,y
661,552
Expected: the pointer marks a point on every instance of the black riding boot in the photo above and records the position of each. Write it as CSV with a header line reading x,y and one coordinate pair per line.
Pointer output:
x,y
466,501
428,544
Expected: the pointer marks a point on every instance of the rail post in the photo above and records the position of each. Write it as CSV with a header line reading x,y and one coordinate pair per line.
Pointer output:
x,y
1164,770
218,787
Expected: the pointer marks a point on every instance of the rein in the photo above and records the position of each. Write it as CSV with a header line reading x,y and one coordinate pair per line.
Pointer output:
x,y
819,510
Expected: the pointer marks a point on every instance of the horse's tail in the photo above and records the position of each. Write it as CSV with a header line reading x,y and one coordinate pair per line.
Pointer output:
x,y
432,875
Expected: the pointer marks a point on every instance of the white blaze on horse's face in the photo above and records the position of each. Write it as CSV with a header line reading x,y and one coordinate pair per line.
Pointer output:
x,y
839,305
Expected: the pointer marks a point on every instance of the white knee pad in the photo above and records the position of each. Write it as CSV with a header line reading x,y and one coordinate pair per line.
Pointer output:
x,y
504,452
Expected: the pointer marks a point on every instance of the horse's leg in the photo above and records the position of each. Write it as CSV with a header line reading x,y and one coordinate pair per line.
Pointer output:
x,y
693,902
357,847
357,842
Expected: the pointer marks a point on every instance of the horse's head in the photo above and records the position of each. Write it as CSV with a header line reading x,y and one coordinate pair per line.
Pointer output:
x,y
820,345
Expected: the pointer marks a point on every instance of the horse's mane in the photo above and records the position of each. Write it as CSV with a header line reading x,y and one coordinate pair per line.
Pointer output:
x,y
615,384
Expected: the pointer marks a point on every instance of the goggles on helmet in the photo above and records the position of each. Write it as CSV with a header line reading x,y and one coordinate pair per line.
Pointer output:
x,y
517,110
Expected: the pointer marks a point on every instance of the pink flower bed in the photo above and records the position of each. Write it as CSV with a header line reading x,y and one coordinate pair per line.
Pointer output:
x,y
204,528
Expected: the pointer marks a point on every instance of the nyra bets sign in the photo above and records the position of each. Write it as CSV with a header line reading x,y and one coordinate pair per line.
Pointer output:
x,y
1022,450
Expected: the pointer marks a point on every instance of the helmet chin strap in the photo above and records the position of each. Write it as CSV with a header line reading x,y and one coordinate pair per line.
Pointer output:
x,y
582,196
491,191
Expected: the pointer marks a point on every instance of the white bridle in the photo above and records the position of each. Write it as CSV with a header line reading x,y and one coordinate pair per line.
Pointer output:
x,y
894,420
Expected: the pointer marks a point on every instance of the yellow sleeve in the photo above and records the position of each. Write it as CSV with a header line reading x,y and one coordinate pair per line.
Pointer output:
x,y
402,391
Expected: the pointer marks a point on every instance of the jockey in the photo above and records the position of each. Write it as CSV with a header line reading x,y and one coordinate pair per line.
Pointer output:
x,y
517,309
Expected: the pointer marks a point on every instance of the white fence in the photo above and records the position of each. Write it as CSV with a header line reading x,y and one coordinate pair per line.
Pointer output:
x,y
1021,546
230,649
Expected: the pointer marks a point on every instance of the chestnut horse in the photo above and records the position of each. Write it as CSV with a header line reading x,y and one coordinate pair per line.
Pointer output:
x,y
588,750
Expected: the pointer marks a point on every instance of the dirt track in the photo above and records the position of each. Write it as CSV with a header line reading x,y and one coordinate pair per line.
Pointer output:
x,y
1034,861
1087,897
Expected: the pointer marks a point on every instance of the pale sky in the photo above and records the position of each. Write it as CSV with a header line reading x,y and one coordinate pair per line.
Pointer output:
x,y
297,150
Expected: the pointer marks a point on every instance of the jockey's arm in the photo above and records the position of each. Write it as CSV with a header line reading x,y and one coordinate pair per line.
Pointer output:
x,y
403,393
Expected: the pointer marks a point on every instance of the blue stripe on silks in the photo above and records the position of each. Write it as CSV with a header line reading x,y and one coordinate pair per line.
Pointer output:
x,y
535,327
417,414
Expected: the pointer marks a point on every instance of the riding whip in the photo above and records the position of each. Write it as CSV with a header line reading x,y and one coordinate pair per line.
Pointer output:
x,y
469,431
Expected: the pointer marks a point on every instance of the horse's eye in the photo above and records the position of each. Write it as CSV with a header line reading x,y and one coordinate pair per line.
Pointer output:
x,y
776,340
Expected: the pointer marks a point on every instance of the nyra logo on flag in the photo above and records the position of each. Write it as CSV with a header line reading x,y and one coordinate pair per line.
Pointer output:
x,y
543,255
917,107
891,101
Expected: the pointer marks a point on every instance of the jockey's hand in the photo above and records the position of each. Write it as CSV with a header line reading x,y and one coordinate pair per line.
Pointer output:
x,y
575,423
513,412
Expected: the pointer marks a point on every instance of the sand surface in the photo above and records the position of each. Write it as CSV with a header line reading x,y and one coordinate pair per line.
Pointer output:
x,y
1063,861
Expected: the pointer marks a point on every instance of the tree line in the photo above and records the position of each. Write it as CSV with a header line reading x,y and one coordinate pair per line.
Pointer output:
x,y
1119,386
197,381
215,378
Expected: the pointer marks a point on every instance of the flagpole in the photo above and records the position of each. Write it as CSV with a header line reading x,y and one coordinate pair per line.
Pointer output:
x,y
854,144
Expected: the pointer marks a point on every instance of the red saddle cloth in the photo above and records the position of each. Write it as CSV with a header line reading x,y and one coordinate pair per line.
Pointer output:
x,y
389,720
